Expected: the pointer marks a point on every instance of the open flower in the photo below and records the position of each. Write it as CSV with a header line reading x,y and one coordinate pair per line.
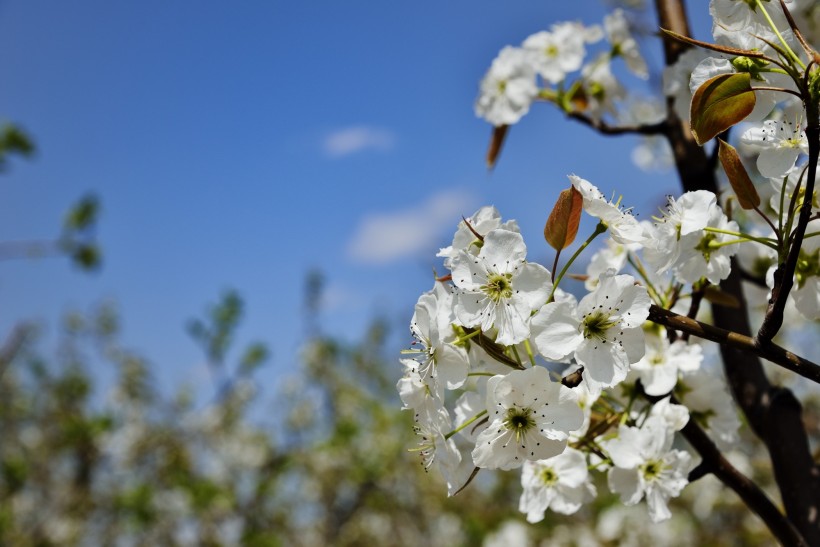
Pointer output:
x,y
508,88
498,288
603,332
646,466
560,483
557,52
530,419
779,144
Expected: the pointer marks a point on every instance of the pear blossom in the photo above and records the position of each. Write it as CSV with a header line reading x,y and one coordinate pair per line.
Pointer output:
x,y
645,465
482,221
561,483
659,367
441,363
678,241
788,190
623,227
779,144
806,290
623,44
707,397
675,416
498,288
530,419
508,88
603,332
435,448
601,89
612,256
557,52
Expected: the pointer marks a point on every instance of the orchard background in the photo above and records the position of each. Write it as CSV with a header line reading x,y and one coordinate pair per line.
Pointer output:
x,y
315,158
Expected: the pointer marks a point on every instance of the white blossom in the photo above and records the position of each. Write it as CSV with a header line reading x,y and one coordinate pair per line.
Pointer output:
x,y
508,88
557,52
779,144
622,225
603,332
617,31
561,483
658,369
530,419
645,465
482,221
498,288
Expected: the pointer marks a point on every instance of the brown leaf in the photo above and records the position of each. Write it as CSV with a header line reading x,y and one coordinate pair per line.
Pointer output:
x,y
562,224
720,103
738,177
496,143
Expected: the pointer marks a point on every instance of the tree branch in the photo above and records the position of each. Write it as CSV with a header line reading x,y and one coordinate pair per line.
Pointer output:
x,y
773,413
769,351
754,498
604,128
784,275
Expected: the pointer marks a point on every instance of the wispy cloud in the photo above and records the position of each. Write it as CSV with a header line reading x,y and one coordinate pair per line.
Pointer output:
x,y
350,140
386,237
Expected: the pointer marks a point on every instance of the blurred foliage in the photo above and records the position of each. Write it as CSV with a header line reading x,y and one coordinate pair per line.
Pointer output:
x,y
13,140
325,462
77,239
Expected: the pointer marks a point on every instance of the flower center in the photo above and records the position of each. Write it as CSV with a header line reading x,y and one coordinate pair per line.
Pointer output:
x,y
551,51
596,324
651,470
519,420
502,86
808,265
548,476
498,286
705,246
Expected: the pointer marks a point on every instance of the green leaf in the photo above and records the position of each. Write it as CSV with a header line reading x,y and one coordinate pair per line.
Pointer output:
x,y
744,189
720,103
83,214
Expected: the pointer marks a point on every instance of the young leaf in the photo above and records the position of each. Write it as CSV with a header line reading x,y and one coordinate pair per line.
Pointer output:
x,y
562,224
738,177
496,142
720,103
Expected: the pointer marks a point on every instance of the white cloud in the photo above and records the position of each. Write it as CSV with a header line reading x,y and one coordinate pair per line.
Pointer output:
x,y
386,237
356,139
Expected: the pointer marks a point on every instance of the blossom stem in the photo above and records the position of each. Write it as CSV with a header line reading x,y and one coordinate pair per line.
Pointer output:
x,y
530,354
779,36
465,424
517,356
635,262
466,337
768,241
599,229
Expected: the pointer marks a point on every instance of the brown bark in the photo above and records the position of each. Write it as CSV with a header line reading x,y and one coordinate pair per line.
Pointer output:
x,y
774,414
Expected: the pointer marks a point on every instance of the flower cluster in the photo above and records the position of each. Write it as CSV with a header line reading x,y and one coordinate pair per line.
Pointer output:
x,y
513,368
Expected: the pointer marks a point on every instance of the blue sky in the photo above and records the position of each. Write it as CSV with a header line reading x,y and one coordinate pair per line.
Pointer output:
x,y
239,145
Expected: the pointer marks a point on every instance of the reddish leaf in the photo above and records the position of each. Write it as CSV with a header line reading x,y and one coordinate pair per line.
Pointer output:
x,y
496,142
562,224
720,103
738,177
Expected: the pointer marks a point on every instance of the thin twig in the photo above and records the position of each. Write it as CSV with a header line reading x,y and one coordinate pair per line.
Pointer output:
x,y
604,128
